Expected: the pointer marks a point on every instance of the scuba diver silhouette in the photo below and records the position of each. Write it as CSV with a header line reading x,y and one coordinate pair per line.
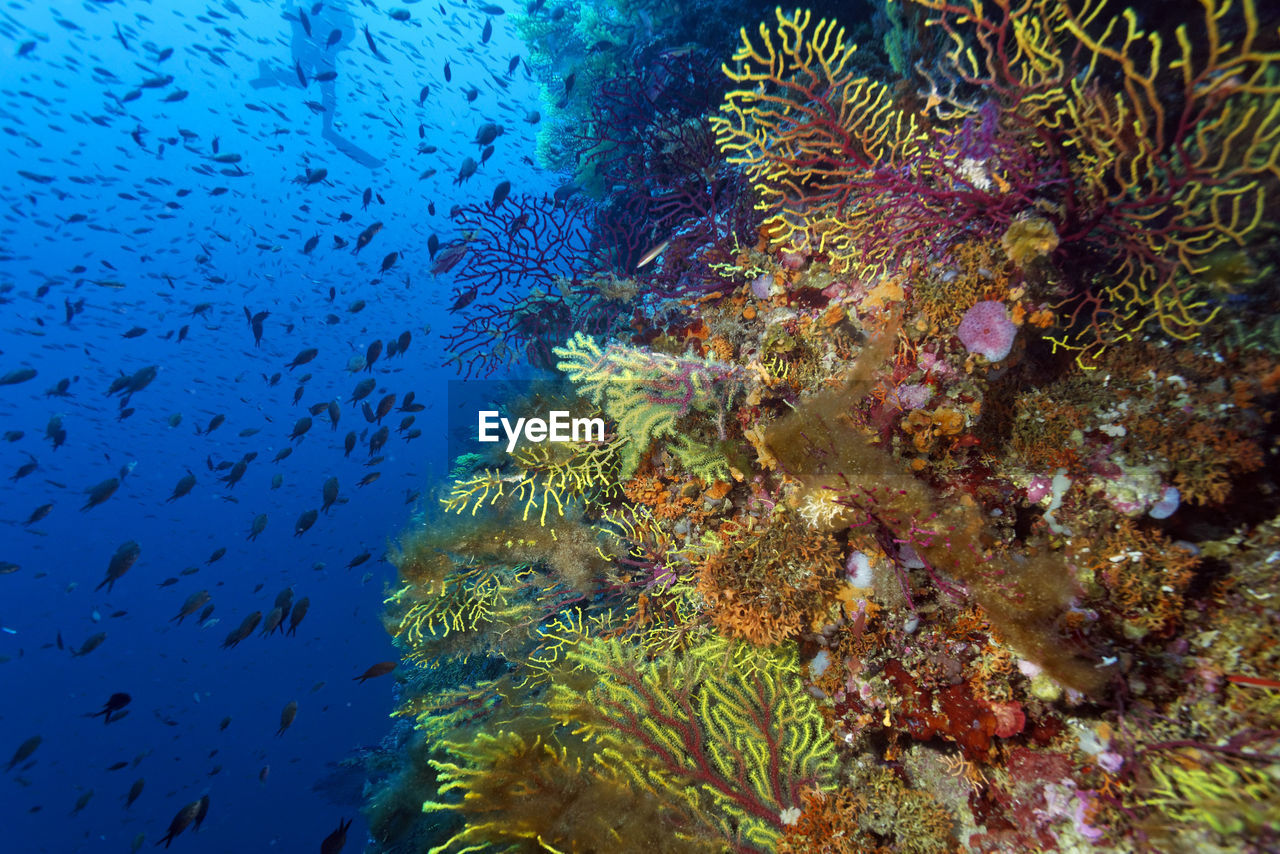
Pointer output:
x,y
317,40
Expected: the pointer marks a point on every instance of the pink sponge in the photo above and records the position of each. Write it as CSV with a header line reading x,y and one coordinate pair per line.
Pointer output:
x,y
987,330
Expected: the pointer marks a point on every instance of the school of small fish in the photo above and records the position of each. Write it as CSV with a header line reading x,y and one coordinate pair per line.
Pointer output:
x,y
220,264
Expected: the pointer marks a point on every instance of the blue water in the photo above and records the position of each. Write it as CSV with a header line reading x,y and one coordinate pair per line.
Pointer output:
x,y
116,174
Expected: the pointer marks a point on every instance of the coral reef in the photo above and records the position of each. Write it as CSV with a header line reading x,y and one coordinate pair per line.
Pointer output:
x,y
938,513
1071,139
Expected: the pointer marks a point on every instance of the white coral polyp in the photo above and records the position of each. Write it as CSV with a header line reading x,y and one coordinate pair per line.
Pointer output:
x,y
820,509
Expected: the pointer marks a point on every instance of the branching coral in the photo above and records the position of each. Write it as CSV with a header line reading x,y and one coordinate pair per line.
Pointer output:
x,y
733,738
652,122
813,136
524,282
1234,799
1149,178
645,393
496,590
546,476
520,791
659,641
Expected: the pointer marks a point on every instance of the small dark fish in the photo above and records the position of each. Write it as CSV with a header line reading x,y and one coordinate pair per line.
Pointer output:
x,y
237,472
25,469
299,611
89,645
114,703
300,427
134,792
463,299
382,668
389,261
181,821
363,389
384,406
194,603
330,492
449,257
487,133
366,236
303,357
448,75
214,423
242,631
124,558
305,521
19,376
24,751
312,176
38,514
487,32
334,842
287,714
184,486
565,192
368,37
202,808
82,802
500,194
259,525
272,622
311,243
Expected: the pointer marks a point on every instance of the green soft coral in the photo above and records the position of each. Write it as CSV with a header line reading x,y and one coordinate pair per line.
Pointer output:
x,y
725,730
646,394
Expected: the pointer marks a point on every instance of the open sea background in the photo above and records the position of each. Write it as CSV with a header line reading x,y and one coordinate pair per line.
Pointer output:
x,y
116,187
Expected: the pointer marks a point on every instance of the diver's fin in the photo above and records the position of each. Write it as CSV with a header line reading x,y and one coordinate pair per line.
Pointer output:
x,y
352,150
